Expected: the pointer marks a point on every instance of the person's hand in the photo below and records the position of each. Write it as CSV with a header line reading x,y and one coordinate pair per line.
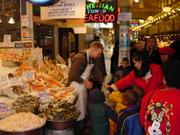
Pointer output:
x,y
88,84
106,85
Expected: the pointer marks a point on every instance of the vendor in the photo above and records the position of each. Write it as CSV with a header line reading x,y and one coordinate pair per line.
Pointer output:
x,y
82,65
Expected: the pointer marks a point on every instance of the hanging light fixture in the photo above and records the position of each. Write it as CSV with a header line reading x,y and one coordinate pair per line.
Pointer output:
x,y
166,9
137,1
11,20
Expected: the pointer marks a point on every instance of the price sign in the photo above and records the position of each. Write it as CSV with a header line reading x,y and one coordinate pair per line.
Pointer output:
x,y
28,76
15,81
4,108
4,81
44,97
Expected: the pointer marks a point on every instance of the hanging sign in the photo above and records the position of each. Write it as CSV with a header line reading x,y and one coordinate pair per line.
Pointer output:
x,y
103,12
4,82
64,9
24,21
124,16
43,2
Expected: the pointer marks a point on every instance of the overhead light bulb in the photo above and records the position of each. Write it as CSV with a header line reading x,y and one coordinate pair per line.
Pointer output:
x,y
0,21
137,1
166,9
150,18
141,21
11,21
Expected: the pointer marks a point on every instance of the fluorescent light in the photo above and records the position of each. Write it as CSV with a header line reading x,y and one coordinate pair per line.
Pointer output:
x,y
11,21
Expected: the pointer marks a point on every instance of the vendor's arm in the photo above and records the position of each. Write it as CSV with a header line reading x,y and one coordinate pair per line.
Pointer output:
x,y
88,84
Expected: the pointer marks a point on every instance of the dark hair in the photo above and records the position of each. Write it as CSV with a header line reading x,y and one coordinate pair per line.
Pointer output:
x,y
96,96
125,59
141,56
176,46
171,73
131,97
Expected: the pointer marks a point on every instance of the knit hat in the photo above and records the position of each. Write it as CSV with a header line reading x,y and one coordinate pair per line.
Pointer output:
x,y
96,96
167,50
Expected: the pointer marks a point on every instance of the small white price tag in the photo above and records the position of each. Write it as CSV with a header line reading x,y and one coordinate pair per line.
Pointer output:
x,y
16,81
44,97
28,76
4,81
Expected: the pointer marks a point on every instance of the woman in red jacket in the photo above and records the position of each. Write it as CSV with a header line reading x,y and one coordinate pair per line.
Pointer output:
x,y
160,109
146,76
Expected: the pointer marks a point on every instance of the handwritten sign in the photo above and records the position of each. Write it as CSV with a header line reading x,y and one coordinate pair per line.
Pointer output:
x,y
16,81
4,108
28,76
44,97
4,81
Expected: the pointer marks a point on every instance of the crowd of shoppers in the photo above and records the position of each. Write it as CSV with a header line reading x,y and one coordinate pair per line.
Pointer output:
x,y
147,93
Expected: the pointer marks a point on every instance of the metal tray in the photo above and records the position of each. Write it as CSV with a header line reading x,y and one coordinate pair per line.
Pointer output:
x,y
59,125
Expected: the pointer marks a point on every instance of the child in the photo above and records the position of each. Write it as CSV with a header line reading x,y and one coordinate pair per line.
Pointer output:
x,y
100,113
122,71
128,119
